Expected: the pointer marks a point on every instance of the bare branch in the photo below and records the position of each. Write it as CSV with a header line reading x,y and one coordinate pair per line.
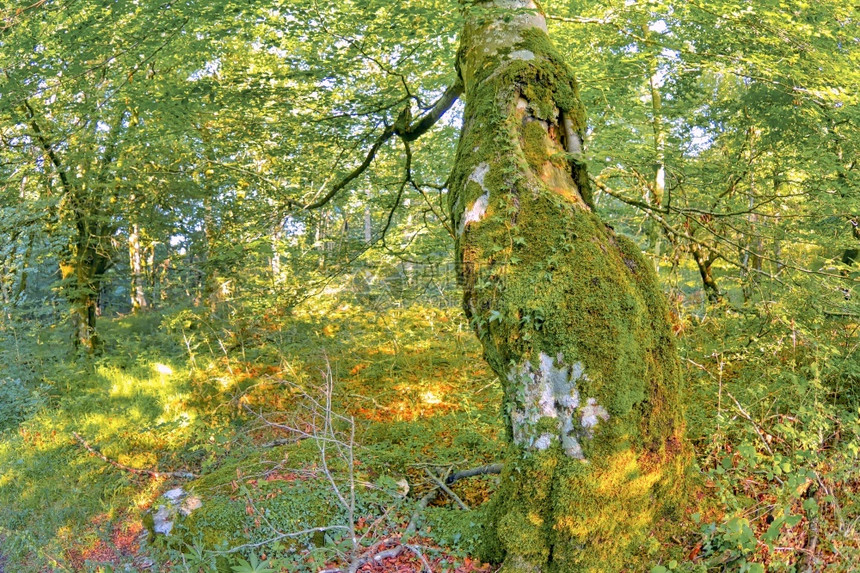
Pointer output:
x,y
407,133
116,464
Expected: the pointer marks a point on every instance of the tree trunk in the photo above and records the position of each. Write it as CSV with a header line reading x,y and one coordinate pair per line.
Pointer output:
x,y
704,263
752,246
851,256
82,277
275,261
569,314
138,297
657,197
368,221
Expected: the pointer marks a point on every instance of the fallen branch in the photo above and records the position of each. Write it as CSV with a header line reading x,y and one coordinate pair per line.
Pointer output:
x,y
280,442
479,471
446,489
422,505
371,555
123,467
448,480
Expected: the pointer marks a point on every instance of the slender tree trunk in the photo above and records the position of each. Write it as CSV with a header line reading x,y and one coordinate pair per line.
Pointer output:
x,y
368,221
138,297
152,276
569,314
751,256
275,262
657,197
704,263
851,256
7,269
25,271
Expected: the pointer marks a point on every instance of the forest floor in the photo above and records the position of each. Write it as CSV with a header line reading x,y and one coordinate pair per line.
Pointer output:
x,y
304,429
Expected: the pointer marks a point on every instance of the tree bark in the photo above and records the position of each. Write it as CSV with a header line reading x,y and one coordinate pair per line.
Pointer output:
x,y
569,314
138,296
82,278
368,221
851,256
704,263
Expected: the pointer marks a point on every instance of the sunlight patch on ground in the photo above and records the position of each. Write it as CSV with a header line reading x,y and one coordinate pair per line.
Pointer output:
x,y
430,398
163,369
139,380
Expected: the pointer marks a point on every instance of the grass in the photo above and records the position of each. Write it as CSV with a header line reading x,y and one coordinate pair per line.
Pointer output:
x,y
775,427
179,393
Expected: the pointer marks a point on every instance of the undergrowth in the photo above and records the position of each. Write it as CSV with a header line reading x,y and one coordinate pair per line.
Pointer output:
x,y
316,434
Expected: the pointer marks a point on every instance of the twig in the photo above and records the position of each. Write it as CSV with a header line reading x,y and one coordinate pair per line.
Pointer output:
x,y
116,464
749,419
282,536
420,555
755,426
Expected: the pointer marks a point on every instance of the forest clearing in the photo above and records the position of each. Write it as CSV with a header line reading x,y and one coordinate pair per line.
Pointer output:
x,y
461,286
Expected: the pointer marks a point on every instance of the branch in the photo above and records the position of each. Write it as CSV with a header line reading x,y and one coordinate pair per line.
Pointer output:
x,y
434,114
479,471
47,148
408,169
579,19
447,489
123,467
652,212
407,133
380,141
745,415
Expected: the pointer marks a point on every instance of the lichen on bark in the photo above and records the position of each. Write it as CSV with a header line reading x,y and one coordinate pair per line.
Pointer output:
x,y
570,315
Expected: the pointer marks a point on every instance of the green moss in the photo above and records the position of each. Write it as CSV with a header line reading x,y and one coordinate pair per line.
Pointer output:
x,y
517,514
535,145
577,291
552,71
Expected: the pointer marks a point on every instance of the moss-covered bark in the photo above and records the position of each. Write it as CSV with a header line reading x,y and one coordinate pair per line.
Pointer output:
x,y
82,274
570,314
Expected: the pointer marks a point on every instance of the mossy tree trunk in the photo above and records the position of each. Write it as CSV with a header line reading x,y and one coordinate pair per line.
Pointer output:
x,y
570,315
82,274
87,207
